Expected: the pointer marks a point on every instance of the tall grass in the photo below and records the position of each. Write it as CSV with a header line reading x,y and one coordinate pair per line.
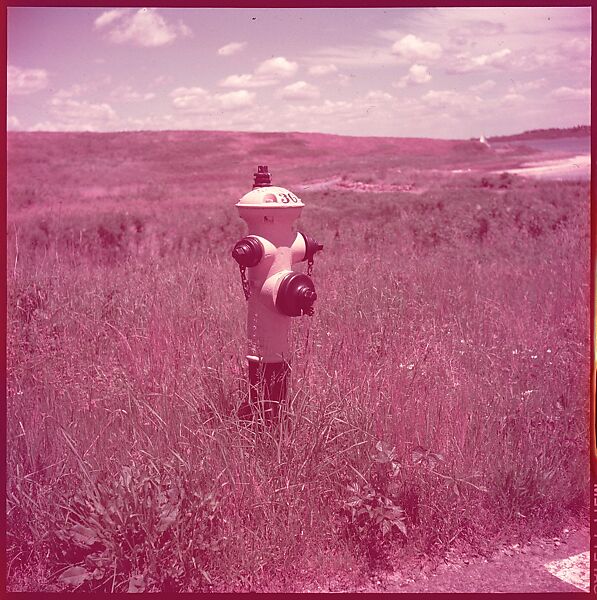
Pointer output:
x,y
437,395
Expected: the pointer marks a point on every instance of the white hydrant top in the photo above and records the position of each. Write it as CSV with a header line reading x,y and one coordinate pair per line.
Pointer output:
x,y
270,196
269,210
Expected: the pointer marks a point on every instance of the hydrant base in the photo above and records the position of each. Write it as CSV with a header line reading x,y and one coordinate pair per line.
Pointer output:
x,y
268,383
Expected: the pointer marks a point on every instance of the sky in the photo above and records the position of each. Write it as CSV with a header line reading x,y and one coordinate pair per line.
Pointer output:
x,y
450,73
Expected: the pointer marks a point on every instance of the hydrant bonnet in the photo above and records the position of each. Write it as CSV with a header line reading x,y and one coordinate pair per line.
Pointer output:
x,y
271,196
266,195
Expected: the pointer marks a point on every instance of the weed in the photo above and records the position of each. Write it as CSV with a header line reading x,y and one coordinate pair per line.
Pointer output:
x,y
373,517
147,528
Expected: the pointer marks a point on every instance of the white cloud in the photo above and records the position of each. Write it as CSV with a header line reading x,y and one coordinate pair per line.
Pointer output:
x,y
189,98
414,48
465,63
378,96
151,122
277,67
12,123
144,27
527,86
576,48
77,115
389,34
74,91
463,107
417,75
125,93
231,48
108,17
484,86
344,80
47,126
235,100
25,81
162,79
571,55
339,108
300,90
197,100
513,98
568,93
442,98
319,70
352,56
269,72
469,31
75,109
246,80
454,103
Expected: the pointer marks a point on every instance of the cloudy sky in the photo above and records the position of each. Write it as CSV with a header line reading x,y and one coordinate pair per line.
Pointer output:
x,y
446,73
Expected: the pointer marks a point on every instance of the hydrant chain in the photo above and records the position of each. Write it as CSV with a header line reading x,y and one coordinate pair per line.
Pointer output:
x,y
310,267
244,281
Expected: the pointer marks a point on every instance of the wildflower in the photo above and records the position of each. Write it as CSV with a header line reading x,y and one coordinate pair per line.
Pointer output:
x,y
534,356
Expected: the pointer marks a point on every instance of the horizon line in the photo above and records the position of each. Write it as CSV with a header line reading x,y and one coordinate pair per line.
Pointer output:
x,y
410,137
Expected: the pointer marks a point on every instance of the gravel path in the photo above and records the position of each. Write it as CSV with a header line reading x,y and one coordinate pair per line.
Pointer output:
x,y
515,569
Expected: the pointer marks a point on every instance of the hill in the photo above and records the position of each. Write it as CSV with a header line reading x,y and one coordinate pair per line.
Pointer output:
x,y
552,133
194,161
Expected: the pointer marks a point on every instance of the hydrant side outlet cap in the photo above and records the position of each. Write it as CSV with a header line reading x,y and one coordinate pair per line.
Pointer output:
x,y
296,295
248,252
270,196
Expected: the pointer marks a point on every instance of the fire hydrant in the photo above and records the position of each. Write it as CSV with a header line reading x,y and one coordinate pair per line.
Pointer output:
x,y
274,292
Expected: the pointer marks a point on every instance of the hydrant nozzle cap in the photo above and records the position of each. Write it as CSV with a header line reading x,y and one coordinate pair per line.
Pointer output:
x,y
263,177
247,252
296,295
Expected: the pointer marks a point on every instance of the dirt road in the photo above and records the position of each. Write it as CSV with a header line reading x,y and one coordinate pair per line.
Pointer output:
x,y
557,565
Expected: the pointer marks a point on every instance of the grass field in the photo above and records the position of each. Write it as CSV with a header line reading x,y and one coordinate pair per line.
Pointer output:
x,y
438,394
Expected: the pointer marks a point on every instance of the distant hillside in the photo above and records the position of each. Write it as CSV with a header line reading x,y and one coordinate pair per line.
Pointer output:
x,y
554,133
199,160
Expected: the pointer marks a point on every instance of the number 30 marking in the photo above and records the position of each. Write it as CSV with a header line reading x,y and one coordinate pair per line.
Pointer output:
x,y
286,198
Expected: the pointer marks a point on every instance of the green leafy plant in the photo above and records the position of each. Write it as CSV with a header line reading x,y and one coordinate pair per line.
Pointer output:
x,y
371,510
374,518
140,531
